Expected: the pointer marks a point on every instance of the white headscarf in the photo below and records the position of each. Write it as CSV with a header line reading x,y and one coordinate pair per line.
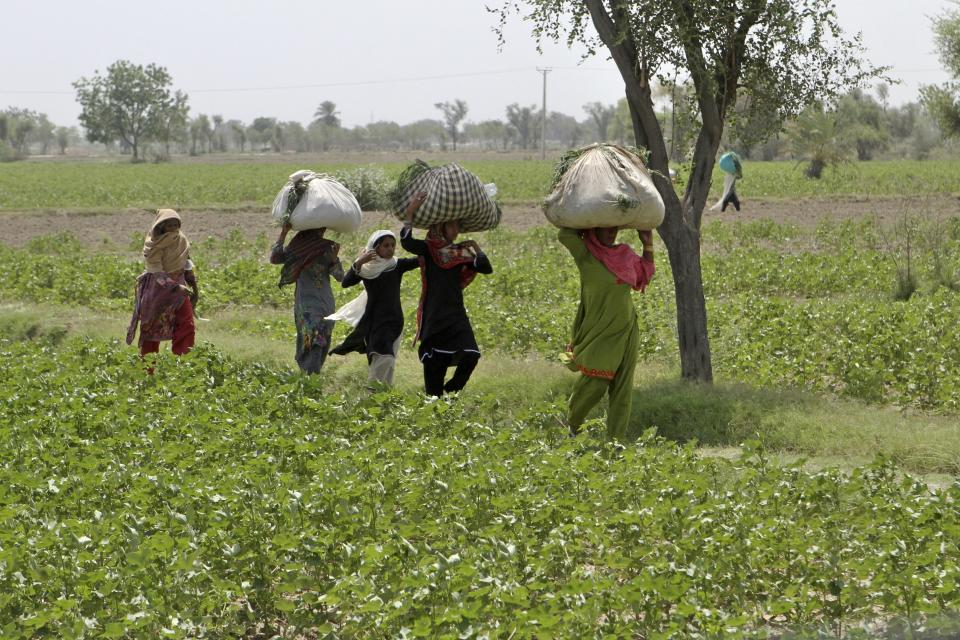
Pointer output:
x,y
378,265
353,311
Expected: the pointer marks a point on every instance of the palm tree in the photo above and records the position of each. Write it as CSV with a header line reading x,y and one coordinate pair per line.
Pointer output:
x,y
218,140
327,113
815,139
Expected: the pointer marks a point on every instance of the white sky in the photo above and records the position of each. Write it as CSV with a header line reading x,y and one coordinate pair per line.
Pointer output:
x,y
365,52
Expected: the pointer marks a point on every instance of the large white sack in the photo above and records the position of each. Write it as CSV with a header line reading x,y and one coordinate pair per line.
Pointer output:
x,y
324,203
607,186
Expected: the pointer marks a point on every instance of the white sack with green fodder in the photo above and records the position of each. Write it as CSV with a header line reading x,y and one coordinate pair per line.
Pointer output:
x,y
315,201
604,186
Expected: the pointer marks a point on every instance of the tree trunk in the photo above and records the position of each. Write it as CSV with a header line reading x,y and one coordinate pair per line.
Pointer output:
x,y
681,224
815,168
683,245
681,234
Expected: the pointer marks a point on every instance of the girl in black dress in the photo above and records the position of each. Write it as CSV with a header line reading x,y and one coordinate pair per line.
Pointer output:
x,y
378,331
446,337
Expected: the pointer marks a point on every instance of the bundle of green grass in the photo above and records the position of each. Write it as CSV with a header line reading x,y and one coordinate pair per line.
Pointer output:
x,y
603,185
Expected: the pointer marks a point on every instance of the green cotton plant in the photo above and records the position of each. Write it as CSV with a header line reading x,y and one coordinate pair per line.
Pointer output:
x,y
877,350
137,506
799,285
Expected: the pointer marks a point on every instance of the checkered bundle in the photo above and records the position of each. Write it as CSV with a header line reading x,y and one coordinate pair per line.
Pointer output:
x,y
453,193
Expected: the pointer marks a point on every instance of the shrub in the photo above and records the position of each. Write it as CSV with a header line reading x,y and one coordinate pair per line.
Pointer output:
x,y
8,153
369,184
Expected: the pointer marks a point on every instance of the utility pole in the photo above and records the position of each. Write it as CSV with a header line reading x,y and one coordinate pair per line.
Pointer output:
x,y
543,114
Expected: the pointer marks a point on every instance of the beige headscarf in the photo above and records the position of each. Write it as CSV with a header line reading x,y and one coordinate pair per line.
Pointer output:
x,y
167,253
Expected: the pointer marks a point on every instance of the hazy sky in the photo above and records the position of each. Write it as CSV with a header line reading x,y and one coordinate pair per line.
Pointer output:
x,y
376,59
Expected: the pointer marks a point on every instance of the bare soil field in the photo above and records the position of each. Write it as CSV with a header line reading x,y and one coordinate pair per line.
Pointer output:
x,y
318,157
116,229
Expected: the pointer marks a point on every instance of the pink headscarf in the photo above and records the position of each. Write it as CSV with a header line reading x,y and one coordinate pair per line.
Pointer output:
x,y
621,261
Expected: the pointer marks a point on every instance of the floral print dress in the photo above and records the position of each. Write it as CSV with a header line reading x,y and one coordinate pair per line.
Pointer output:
x,y
313,301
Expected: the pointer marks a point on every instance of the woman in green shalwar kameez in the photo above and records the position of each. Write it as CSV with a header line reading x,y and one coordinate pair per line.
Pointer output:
x,y
605,331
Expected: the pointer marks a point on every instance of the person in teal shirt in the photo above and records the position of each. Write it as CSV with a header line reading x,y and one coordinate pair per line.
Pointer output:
x,y
732,169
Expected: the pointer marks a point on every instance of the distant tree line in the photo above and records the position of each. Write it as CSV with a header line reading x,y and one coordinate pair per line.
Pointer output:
x,y
23,132
134,110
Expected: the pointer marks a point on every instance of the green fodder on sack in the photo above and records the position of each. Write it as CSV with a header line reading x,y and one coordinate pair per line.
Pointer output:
x,y
406,177
570,156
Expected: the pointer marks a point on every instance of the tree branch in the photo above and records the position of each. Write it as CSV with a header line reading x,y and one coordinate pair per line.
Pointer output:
x,y
732,57
623,49
715,93
697,65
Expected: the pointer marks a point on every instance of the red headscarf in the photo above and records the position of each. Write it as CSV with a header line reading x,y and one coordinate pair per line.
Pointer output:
x,y
447,255
621,261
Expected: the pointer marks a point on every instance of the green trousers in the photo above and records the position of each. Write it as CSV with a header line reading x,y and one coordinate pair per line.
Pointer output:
x,y
588,392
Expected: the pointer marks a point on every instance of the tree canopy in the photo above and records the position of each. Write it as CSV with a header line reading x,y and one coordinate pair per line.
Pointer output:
x,y
453,113
602,116
942,100
132,103
523,120
327,114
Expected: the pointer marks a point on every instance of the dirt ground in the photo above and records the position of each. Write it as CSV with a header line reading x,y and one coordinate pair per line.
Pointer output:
x,y
91,156
117,228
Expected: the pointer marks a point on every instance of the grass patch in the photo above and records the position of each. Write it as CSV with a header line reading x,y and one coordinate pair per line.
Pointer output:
x,y
794,422
18,326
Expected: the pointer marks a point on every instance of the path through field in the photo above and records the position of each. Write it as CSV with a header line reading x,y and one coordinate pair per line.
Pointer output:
x,y
117,228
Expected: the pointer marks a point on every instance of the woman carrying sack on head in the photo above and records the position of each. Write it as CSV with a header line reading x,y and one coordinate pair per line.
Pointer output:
x,y
163,306
605,331
443,329
376,313
732,168
309,261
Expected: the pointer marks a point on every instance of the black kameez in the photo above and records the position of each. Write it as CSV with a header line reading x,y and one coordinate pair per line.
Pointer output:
x,y
444,326
382,320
